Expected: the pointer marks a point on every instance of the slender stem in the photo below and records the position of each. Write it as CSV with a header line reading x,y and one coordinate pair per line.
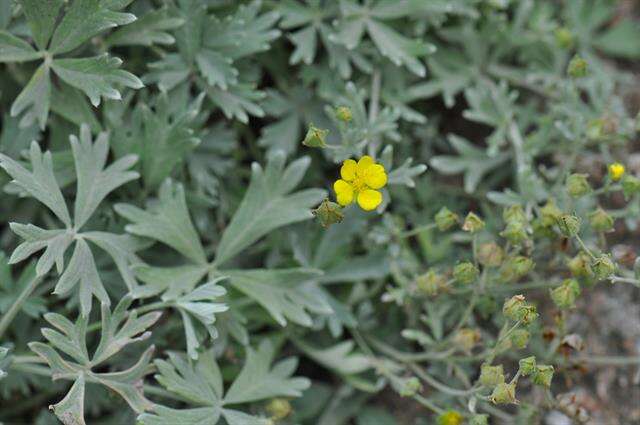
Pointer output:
x,y
584,247
17,304
417,230
439,385
630,280
428,404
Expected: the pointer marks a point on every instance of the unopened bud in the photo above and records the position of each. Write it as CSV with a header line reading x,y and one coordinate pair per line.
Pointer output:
x,y
600,220
472,223
344,114
516,267
490,376
543,375
565,295
515,232
410,387
569,225
465,273
630,186
578,67
520,338
518,310
580,265
504,394
527,366
490,254
514,213
577,185
279,408
315,137
430,283
466,339
603,266
328,213
446,219
479,420
550,213
564,37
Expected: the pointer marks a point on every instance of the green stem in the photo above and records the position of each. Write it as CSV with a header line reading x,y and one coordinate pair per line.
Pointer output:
x,y
17,304
417,230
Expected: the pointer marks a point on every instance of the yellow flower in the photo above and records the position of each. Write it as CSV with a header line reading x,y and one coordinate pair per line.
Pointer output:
x,y
360,182
616,171
450,417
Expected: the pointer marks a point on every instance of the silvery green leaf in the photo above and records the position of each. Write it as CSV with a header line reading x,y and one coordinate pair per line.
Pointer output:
x,y
167,222
258,380
95,181
216,68
285,294
122,249
41,19
11,288
172,281
150,29
405,174
95,76
199,304
236,417
168,72
237,101
40,182
4,361
83,20
14,49
34,99
167,416
82,270
70,410
73,106
268,204
340,357
471,161
54,242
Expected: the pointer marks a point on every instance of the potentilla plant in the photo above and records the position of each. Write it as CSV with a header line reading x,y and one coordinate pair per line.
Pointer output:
x,y
316,212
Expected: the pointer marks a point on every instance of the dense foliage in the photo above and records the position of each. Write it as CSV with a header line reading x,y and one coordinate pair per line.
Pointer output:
x,y
309,211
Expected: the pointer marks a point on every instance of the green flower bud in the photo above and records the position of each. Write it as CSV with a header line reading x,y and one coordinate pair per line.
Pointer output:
x,y
527,365
550,213
410,387
515,232
315,137
564,296
446,219
490,254
580,265
577,185
504,394
490,376
430,283
465,273
520,338
466,339
630,185
603,267
328,213
479,420
279,408
514,213
472,223
578,67
564,37
450,417
601,221
543,375
517,309
516,267
569,225
344,114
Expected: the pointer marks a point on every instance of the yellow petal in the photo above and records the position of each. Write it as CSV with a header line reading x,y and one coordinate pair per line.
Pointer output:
x,y
363,164
344,192
369,199
348,170
375,176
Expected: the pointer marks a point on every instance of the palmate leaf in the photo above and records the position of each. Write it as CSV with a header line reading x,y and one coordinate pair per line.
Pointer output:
x,y
202,386
14,49
95,181
268,204
150,29
119,329
96,76
41,19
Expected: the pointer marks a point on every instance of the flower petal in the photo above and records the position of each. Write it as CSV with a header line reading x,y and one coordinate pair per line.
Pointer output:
x,y
344,192
348,170
364,163
369,199
375,176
